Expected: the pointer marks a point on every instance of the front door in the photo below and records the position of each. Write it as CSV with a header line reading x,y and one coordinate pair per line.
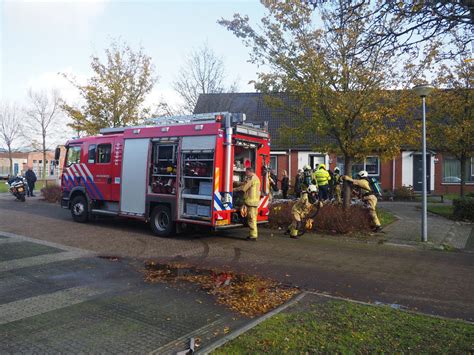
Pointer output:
x,y
316,160
418,172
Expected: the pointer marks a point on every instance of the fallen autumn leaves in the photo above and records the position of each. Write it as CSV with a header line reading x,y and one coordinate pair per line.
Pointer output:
x,y
248,295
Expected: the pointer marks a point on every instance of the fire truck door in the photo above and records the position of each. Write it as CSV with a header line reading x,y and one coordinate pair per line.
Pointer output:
x,y
134,174
100,164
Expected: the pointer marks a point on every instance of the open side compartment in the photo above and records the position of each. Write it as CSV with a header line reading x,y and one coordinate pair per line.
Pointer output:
x,y
196,177
163,167
245,155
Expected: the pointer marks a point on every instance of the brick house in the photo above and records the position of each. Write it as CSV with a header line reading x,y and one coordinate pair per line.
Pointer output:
x,y
19,161
404,170
22,160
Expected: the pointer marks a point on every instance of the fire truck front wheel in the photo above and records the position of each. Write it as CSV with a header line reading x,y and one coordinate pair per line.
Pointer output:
x,y
161,221
79,210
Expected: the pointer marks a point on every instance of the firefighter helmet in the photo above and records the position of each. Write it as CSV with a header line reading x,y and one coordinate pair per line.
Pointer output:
x,y
363,174
312,188
322,166
306,167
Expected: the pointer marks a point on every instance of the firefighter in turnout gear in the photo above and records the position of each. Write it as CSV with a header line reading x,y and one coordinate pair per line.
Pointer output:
x,y
362,188
336,185
306,178
322,178
301,209
251,189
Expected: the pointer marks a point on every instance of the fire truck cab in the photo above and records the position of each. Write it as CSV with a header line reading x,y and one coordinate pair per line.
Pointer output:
x,y
175,172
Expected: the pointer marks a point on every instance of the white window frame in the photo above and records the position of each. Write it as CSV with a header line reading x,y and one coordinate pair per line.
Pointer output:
x,y
472,166
365,164
276,163
378,164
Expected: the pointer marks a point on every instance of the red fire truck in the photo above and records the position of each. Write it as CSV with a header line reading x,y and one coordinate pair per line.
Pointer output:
x,y
175,172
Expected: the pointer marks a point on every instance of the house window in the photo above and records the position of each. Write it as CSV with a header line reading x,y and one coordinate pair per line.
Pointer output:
x,y
372,165
104,153
451,170
340,164
274,163
369,164
472,167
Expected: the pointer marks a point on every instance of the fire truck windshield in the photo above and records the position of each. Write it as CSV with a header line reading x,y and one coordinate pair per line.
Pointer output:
x,y
73,155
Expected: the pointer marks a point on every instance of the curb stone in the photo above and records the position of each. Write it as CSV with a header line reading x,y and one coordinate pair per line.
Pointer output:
x,y
252,324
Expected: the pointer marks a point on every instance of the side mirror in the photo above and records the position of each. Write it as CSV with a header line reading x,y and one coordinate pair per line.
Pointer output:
x,y
57,153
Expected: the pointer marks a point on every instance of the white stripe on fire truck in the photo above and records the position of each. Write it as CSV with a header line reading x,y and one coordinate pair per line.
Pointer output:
x,y
88,172
80,168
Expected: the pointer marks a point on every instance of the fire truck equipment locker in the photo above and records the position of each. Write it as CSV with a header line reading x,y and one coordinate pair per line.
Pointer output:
x,y
134,175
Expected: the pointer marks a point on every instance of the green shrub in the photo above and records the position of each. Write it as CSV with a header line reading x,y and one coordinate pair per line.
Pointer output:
x,y
464,208
404,193
470,194
52,193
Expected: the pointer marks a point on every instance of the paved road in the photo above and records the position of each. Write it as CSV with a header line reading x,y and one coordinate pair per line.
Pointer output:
x,y
426,280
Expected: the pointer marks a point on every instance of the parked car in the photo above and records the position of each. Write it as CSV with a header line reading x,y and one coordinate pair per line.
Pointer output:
x,y
452,180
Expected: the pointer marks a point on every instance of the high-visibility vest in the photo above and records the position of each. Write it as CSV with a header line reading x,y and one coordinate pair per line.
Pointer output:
x,y
322,177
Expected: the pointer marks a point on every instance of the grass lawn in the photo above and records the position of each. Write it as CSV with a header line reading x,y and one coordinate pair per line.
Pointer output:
x,y
385,217
38,186
442,210
345,327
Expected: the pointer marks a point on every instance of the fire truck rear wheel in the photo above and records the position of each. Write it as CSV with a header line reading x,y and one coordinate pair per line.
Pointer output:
x,y
161,221
79,209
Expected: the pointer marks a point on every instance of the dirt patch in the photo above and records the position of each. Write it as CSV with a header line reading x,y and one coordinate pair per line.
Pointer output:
x,y
248,295
330,217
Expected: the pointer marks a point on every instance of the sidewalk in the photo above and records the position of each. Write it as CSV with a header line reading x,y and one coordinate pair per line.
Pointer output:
x,y
58,299
407,230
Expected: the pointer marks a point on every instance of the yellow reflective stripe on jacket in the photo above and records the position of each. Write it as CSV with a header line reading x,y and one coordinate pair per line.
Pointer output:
x,y
322,177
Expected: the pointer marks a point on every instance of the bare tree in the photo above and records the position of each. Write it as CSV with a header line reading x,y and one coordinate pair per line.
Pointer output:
x,y
203,72
10,129
42,113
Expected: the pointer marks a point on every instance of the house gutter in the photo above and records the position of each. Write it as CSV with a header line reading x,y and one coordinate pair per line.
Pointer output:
x,y
393,175
289,164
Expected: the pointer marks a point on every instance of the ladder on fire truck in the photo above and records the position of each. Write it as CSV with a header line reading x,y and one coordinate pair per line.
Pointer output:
x,y
226,117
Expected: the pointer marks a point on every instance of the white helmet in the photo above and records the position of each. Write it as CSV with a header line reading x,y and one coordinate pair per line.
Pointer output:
x,y
312,188
363,174
306,167
337,170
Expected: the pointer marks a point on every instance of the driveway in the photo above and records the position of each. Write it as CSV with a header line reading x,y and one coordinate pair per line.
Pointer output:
x,y
407,230
427,280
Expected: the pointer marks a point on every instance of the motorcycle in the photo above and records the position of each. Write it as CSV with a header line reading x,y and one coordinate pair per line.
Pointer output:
x,y
18,188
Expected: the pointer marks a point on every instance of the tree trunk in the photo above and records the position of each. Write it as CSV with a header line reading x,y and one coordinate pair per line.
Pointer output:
x,y
463,175
347,187
44,156
10,157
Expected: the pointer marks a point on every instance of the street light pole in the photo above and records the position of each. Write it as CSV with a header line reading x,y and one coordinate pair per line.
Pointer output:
x,y
423,91
424,207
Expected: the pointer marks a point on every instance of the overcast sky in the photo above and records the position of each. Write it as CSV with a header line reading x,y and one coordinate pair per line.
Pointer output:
x,y
39,39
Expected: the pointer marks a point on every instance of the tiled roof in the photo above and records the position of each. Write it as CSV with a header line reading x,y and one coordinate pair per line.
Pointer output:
x,y
258,111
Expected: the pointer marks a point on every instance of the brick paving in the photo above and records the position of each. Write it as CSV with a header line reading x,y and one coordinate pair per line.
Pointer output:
x,y
85,304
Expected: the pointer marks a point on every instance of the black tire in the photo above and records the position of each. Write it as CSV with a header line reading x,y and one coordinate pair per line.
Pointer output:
x,y
79,209
161,222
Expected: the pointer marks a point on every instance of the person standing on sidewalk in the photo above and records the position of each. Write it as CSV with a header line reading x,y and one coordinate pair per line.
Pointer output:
x,y
251,189
30,177
285,184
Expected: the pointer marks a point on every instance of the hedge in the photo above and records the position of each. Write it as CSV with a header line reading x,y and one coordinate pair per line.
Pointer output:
x,y
464,208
